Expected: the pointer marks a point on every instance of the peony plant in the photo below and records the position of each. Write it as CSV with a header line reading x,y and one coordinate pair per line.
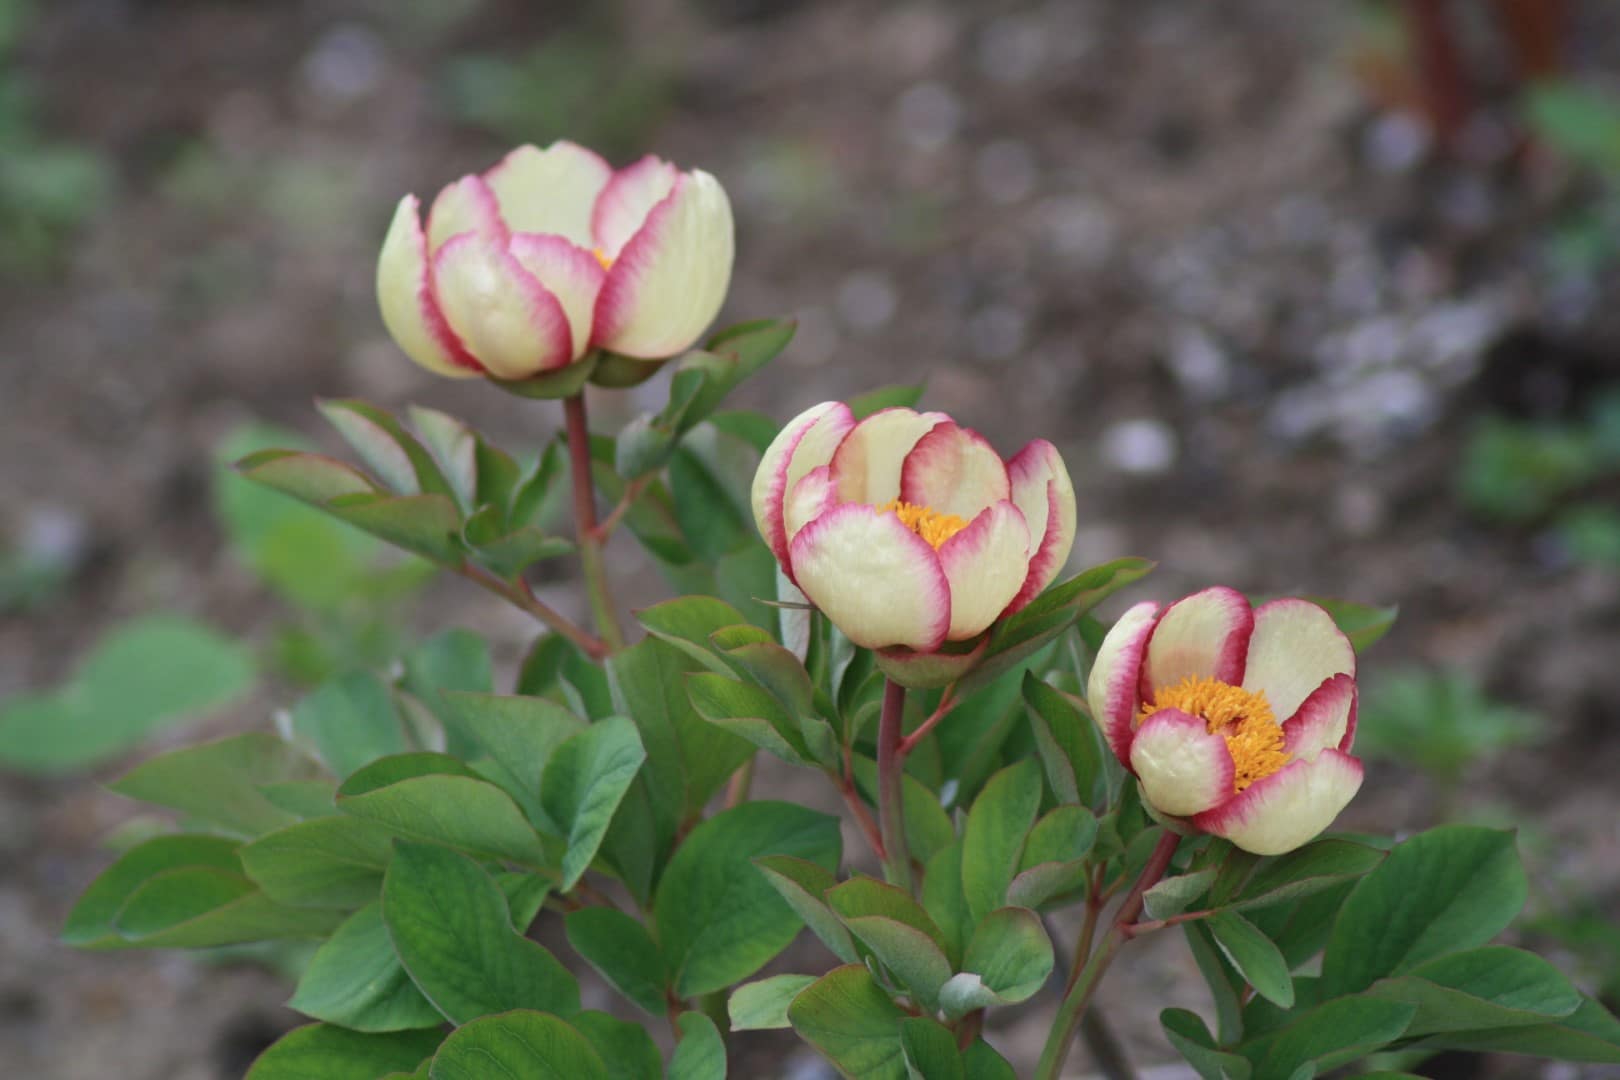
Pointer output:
x,y
898,623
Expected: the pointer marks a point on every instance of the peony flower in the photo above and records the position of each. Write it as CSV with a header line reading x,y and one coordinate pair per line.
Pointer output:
x,y
551,254
1240,719
908,530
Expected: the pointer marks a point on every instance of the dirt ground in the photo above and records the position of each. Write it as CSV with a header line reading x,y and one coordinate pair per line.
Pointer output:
x,y
1181,240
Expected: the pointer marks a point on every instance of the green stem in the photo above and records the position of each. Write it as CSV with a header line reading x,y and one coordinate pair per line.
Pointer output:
x,y
590,539
1084,984
891,773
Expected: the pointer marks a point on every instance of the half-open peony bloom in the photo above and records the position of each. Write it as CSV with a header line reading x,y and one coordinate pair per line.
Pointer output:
x,y
1238,718
907,529
550,254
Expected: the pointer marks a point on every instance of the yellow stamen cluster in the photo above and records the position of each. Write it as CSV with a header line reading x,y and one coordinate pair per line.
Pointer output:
x,y
1242,717
931,525
603,258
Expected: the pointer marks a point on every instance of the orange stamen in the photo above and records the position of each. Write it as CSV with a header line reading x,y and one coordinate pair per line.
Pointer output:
x,y
1242,717
931,525
603,258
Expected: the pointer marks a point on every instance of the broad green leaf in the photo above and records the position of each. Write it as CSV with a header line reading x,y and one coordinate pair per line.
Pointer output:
x,y
930,1050
508,552
1174,895
356,980
525,895
397,767
994,838
304,799
868,896
1007,960
460,811
1310,869
712,516
454,447
718,920
327,862
700,1054
313,478
1254,956
454,660
724,702
391,452
199,907
1591,1033
854,1024
1192,1040
452,929
622,952
521,1044
427,525
146,675
217,782
981,1062
513,738
90,923
1447,889
804,885
624,1047
913,957
1490,987
687,622
1225,985
763,1005
943,899
328,1052
583,785
1067,740
1053,862
1331,1034
351,722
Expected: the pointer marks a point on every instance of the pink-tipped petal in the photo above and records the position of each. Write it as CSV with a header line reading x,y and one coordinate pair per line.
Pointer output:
x,y
810,498
879,582
625,201
1294,648
986,564
670,279
1183,768
465,206
405,296
806,442
953,470
1111,688
552,190
1044,494
507,319
1205,635
568,272
867,464
1324,720
1289,808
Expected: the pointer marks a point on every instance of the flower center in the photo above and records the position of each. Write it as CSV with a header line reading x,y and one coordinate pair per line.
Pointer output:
x,y
603,257
1242,717
931,525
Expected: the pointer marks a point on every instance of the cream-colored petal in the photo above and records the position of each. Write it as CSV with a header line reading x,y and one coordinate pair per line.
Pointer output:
x,y
629,196
1327,718
1204,636
953,470
507,319
1044,494
879,582
810,498
1111,689
1289,808
867,464
1183,768
405,298
986,564
465,206
806,442
568,272
552,190
1295,647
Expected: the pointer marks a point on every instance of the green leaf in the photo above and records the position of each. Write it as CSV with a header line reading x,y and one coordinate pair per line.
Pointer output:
x,y
356,980
700,1054
512,739
885,397
146,675
1192,1040
201,907
326,1052
1331,1034
1447,889
912,955
713,515
1053,862
1225,985
508,552
1254,955
312,478
718,920
748,712
1316,866
1174,895
862,896
351,721
622,952
90,923
1490,987
930,1050
1590,1033
994,838
763,1005
391,452
625,1048
928,826
428,525
943,899
1363,624
454,447
1581,124
584,783
804,885
1008,960
452,929
217,782
327,862
981,1062
1067,741
456,810
849,1018
304,799
520,1044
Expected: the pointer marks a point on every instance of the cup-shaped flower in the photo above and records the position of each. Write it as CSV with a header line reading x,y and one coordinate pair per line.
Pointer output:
x,y
550,254
1237,718
908,530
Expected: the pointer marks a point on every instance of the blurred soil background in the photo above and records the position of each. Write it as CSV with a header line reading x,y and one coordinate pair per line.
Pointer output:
x,y
1287,338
